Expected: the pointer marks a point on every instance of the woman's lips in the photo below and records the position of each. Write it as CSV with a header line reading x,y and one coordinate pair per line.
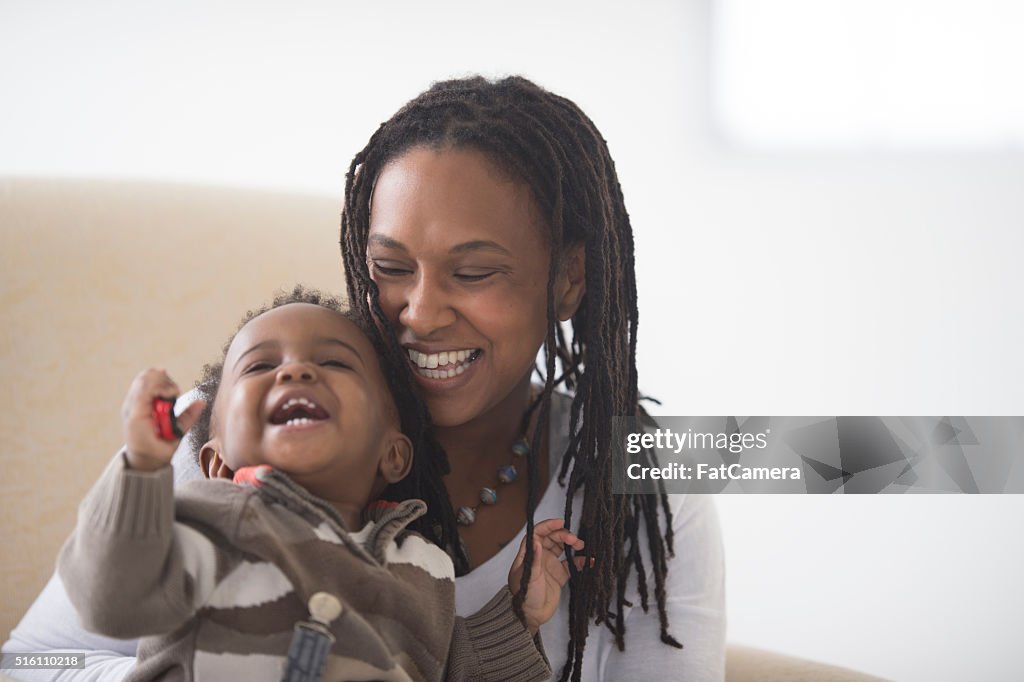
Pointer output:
x,y
447,364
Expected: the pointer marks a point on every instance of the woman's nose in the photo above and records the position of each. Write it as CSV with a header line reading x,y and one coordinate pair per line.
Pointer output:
x,y
427,308
296,371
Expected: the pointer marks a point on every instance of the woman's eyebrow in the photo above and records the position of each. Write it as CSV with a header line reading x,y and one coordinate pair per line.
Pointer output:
x,y
480,245
387,242
465,247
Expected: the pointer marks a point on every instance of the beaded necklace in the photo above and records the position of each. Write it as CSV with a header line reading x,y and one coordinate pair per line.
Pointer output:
x,y
507,473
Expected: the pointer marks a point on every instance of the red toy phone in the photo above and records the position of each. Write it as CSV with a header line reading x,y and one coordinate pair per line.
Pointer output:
x,y
164,419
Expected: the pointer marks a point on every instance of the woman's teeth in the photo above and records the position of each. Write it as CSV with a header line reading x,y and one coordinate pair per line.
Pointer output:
x,y
443,365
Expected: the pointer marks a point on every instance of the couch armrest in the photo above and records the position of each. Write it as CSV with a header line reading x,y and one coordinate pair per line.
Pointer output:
x,y
746,664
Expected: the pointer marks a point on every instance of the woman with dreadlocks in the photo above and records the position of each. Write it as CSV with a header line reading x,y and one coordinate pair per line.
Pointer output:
x,y
483,226
477,220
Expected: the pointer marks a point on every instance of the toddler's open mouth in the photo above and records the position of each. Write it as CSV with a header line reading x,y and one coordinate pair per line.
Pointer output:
x,y
297,412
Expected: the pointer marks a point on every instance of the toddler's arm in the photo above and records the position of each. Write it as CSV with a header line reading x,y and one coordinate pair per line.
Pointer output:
x,y
549,571
493,644
129,569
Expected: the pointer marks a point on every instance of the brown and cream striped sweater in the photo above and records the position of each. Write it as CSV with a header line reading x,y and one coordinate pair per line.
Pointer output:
x,y
215,578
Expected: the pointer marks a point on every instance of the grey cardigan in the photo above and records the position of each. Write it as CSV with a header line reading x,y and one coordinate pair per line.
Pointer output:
x,y
215,579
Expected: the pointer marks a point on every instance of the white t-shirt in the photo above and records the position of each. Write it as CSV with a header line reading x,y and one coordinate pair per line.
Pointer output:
x,y
695,596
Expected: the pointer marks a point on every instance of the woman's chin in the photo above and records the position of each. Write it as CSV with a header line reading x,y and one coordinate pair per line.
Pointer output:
x,y
476,401
448,411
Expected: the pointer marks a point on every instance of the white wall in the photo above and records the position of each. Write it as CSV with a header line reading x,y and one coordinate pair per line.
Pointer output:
x,y
770,284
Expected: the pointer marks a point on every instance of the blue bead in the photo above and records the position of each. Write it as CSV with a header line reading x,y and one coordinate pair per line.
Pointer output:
x,y
521,448
466,516
507,473
488,495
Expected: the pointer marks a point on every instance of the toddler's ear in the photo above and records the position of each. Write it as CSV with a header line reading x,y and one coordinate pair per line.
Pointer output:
x,y
212,464
397,459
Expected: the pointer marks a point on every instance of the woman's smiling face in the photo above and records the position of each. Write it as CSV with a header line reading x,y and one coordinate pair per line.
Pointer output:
x,y
459,252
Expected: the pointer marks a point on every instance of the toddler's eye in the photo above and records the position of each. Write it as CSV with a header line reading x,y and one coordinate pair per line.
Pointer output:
x,y
259,366
335,363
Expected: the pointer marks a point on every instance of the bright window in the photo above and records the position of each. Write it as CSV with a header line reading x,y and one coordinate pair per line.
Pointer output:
x,y
828,74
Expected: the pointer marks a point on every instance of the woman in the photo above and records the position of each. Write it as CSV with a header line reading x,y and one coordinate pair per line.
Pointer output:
x,y
478,220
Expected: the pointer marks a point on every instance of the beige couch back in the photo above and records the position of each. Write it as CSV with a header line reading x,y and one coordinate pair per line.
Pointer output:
x,y
97,281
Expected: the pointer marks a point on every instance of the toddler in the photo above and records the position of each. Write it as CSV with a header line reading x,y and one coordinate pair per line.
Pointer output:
x,y
303,437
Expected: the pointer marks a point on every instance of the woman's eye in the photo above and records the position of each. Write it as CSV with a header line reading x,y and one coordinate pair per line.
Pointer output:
x,y
473,276
388,270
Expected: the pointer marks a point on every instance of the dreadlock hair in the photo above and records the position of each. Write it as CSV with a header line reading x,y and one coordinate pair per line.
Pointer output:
x,y
548,143
411,411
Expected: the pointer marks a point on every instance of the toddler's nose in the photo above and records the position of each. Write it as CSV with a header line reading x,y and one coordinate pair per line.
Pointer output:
x,y
296,372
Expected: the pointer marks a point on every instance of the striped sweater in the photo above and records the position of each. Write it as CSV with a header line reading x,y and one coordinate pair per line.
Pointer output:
x,y
215,578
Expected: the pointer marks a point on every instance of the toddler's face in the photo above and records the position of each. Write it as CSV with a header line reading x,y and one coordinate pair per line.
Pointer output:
x,y
302,391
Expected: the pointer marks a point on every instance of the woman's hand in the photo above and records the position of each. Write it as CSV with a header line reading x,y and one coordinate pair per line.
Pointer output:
x,y
145,450
549,571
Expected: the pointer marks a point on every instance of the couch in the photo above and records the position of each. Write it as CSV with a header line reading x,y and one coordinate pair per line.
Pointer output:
x,y
101,278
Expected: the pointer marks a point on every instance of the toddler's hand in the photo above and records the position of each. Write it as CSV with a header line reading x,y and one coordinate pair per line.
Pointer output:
x,y
144,448
549,571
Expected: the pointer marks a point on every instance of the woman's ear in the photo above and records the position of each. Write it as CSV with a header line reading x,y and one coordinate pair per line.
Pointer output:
x,y
211,463
572,282
397,459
